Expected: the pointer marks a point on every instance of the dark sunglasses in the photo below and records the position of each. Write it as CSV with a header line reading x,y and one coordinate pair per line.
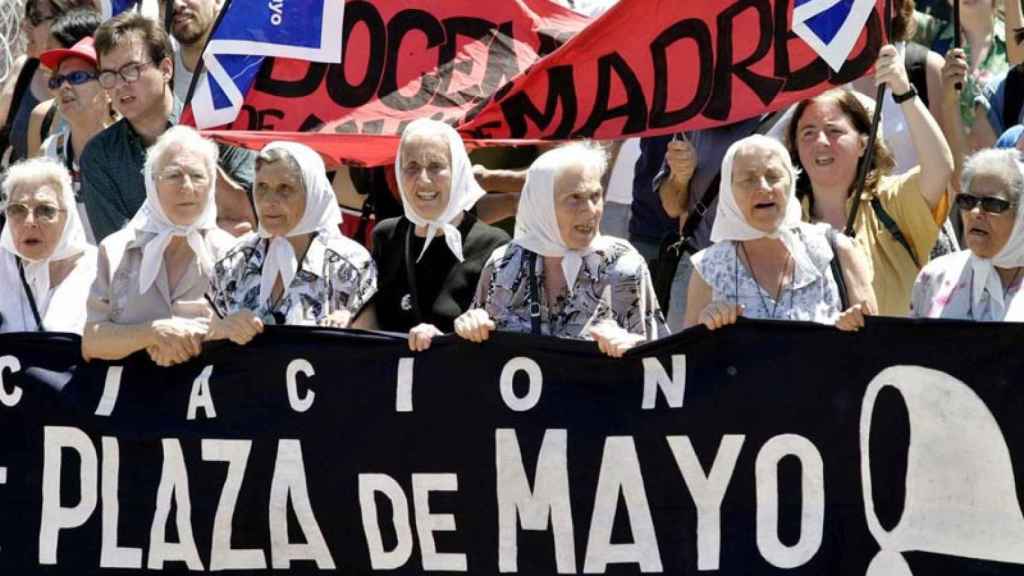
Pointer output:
x,y
992,205
76,78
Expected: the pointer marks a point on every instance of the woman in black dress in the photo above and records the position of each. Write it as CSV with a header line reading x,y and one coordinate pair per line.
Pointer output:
x,y
429,261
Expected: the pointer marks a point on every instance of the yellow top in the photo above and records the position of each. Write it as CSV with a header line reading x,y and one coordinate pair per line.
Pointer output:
x,y
894,270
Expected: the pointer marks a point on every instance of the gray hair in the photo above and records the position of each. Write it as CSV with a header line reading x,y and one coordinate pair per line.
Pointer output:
x,y
274,155
187,139
588,154
40,171
1001,162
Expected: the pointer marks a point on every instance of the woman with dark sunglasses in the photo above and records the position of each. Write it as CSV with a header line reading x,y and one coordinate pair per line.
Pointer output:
x,y
983,282
85,106
27,87
66,31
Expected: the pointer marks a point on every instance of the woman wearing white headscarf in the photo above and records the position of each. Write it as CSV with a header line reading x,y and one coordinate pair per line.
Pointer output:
x,y
45,261
299,269
765,262
983,282
429,262
153,275
559,276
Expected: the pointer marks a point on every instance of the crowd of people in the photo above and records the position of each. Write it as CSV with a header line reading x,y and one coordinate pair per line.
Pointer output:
x,y
144,236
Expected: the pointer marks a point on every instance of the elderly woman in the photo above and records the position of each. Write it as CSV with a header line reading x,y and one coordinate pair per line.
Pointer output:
x,y
153,275
898,217
765,262
559,276
425,281
299,269
45,262
83,103
983,282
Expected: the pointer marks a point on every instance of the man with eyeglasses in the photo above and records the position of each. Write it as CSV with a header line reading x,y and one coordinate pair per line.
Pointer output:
x,y
135,67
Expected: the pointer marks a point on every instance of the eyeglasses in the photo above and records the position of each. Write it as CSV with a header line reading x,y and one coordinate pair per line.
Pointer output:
x,y
130,72
176,176
76,78
990,204
41,212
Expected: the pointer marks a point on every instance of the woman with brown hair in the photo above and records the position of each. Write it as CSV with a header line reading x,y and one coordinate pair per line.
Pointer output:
x,y
897,217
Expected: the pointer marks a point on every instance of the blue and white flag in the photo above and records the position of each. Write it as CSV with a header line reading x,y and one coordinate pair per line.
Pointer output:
x,y
111,8
248,32
831,27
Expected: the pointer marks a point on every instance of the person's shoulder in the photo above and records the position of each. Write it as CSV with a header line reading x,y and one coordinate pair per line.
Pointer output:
x,y
387,229
119,240
340,246
621,256
220,242
482,234
945,265
100,145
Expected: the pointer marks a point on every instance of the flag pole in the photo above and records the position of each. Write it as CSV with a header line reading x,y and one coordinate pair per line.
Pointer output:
x,y
869,153
957,42
199,63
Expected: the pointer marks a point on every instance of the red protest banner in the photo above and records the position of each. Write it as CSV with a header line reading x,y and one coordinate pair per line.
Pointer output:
x,y
650,67
403,60
646,67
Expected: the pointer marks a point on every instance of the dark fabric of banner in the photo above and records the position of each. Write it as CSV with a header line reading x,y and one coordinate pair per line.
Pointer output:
x,y
734,452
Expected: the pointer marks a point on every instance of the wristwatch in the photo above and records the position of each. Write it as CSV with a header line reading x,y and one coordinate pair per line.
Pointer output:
x,y
901,98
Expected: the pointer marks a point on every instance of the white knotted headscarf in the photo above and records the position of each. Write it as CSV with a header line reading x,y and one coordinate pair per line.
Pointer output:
x,y
731,223
151,217
536,222
464,191
37,172
1011,255
321,215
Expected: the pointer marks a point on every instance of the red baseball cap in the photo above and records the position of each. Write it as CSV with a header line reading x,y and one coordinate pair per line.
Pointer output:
x,y
84,49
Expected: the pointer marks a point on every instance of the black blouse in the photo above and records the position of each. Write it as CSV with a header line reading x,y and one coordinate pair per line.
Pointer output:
x,y
445,287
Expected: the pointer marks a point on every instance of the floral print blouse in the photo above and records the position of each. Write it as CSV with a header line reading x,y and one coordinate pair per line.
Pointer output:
x,y
613,284
335,274
811,295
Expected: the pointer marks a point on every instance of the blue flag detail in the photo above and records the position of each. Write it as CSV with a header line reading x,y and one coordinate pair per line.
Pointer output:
x,y
828,23
111,8
831,27
249,32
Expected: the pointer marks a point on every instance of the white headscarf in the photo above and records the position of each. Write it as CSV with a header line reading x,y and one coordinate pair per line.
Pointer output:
x,y
152,219
536,222
72,242
1011,255
464,191
322,216
731,223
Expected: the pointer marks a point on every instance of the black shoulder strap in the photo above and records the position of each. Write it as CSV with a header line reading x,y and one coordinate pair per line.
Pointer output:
x,y
28,294
837,268
916,62
531,263
893,228
44,128
1013,96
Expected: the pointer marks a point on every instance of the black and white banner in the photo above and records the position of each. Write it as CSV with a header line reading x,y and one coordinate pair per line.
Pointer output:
x,y
763,448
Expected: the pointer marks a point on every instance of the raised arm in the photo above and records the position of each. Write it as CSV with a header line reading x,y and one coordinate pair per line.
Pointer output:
x,y
933,152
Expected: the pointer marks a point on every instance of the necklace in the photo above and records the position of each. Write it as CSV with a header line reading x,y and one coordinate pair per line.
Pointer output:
x,y
779,291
